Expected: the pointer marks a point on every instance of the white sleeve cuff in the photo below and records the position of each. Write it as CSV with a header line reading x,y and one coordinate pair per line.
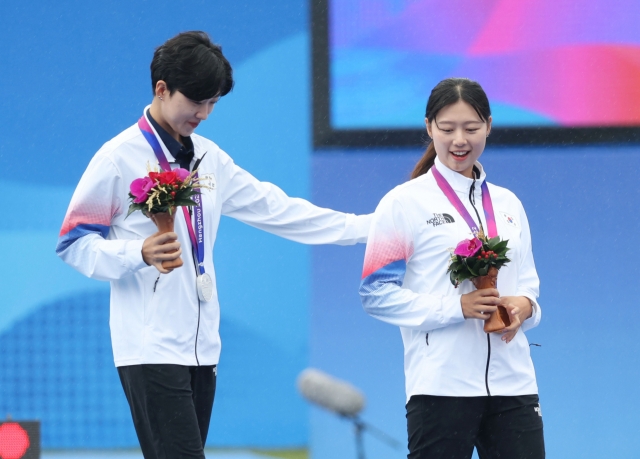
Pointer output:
x,y
357,228
361,224
452,307
450,313
536,313
132,258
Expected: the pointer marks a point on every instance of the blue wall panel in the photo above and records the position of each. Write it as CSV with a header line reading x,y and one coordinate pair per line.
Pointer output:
x,y
57,366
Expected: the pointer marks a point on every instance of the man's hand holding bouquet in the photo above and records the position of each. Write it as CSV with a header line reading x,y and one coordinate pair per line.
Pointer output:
x,y
157,196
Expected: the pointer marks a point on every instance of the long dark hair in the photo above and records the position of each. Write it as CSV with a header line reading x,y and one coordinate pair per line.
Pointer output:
x,y
445,93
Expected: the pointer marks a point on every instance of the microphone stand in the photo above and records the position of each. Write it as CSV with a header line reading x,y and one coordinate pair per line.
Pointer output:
x,y
360,426
359,429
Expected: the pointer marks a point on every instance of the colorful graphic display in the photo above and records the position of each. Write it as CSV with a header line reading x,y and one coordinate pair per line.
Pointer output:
x,y
542,62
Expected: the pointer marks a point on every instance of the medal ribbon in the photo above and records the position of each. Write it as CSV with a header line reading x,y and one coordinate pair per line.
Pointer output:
x,y
197,242
487,204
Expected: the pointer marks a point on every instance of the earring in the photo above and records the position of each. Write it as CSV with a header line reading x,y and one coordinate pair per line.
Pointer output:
x,y
160,98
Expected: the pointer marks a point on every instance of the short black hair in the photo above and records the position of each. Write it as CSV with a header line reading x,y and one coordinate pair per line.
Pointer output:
x,y
192,64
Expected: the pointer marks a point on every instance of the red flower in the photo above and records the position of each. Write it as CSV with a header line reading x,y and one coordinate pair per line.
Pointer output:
x,y
164,178
168,178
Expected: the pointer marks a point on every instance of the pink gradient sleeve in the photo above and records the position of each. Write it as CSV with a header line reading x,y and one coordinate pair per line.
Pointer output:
x,y
87,210
390,238
83,242
94,203
382,291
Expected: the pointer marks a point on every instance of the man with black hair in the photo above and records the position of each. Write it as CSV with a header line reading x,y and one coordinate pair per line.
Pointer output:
x,y
164,323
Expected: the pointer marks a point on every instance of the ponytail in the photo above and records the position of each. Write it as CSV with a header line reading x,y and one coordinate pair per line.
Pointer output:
x,y
425,162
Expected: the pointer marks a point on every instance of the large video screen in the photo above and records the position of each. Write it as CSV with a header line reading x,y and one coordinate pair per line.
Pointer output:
x,y
543,63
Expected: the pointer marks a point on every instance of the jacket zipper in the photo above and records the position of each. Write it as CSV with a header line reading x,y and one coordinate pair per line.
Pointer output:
x,y
486,373
197,332
195,265
472,200
427,339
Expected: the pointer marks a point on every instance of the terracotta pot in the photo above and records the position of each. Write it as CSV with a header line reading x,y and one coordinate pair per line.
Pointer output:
x,y
165,223
497,320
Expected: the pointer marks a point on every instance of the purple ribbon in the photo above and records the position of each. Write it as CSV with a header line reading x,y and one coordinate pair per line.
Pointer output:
x,y
487,205
197,242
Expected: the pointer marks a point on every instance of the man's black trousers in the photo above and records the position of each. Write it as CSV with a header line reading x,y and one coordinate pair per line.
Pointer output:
x,y
499,427
171,408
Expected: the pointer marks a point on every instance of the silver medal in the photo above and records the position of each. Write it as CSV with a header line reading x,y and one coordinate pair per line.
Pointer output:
x,y
205,287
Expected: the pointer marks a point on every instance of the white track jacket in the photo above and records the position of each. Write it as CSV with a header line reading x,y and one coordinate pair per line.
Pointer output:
x,y
158,318
405,283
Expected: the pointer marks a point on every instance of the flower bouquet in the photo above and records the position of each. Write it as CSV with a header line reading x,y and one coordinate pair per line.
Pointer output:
x,y
159,193
479,260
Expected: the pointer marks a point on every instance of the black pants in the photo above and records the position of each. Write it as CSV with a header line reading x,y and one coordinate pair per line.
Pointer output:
x,y
171,408
499,427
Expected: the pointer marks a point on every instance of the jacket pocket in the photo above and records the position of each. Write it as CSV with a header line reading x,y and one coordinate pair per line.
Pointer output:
x,y
431,341
427,343
149,307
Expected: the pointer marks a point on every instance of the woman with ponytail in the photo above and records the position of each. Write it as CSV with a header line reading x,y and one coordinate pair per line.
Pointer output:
x,y
465,388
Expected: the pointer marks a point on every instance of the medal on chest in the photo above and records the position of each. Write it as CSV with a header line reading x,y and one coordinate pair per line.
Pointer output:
x,y
205,287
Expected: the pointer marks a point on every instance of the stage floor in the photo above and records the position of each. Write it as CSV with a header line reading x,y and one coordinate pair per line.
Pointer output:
x,y
133,454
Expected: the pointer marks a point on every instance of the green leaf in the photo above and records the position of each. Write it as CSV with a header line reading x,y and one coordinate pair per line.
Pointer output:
x,y
472,271
188,194
132,209
184,202
500,246
159,209
493,241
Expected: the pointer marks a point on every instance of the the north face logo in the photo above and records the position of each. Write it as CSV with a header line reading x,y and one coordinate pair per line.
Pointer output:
x,y
440,219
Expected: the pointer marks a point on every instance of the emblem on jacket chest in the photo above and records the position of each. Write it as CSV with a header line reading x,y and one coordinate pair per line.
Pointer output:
x,y
440,219
509,219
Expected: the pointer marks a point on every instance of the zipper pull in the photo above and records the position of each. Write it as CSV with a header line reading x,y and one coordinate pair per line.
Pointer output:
x,y
472,197
156,283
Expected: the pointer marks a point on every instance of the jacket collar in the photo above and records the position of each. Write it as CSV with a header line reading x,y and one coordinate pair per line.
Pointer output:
x,y
458,181
168,147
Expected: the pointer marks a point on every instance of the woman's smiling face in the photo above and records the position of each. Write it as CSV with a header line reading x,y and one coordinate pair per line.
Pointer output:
x,y
459,136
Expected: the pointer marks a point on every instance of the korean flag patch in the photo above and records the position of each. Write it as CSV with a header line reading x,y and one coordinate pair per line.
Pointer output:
x,y
509,219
